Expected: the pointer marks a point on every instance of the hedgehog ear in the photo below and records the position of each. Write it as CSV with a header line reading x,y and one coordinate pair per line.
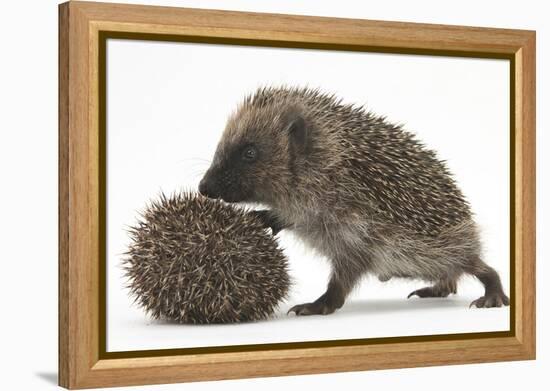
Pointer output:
x,y
297,129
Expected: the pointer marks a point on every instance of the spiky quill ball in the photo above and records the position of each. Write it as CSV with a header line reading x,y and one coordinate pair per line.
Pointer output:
x,y
198,260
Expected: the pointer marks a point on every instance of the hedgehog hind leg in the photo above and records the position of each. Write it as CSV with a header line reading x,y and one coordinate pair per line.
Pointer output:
x,y
494,293
443,288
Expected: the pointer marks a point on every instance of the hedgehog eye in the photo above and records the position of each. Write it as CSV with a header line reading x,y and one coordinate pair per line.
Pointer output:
x,y
250,154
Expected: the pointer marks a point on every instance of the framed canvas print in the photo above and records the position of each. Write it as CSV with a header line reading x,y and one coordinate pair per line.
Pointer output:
x,y
248,194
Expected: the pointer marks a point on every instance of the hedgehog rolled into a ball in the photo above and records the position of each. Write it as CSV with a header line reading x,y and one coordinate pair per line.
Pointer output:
x,y
198,260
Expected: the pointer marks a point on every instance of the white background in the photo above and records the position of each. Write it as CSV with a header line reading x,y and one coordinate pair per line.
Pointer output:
x,y
28,154
167,106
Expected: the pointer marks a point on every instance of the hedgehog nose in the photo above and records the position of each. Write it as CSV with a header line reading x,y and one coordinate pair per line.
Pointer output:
x,y
205,188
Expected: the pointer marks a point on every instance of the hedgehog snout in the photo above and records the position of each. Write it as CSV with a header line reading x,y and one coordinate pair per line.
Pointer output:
x,y
208,188
226,183
219,184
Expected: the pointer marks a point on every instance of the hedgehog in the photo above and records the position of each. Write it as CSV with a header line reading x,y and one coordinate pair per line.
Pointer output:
x,y
197,260
363,192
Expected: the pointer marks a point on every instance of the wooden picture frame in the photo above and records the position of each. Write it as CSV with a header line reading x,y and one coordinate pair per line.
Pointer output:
x,y
83,30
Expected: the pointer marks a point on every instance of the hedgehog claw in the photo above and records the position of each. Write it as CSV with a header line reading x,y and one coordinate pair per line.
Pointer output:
x,y
491,300
442,289
269,220
315,308
429,292
411,294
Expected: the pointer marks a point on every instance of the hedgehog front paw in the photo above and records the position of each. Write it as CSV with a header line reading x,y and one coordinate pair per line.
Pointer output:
x,y
269,220
491,300
315,308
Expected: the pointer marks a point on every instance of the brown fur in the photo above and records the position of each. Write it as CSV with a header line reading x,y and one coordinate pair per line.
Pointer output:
x,y
360,190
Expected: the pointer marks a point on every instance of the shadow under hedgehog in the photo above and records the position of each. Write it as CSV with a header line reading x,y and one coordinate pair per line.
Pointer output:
x,y
362,191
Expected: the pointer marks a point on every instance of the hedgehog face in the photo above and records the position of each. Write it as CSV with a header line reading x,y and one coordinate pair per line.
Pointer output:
x,y
231,175
254,160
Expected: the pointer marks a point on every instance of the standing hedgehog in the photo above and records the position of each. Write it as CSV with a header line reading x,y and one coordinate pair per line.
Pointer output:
x,y
362,191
